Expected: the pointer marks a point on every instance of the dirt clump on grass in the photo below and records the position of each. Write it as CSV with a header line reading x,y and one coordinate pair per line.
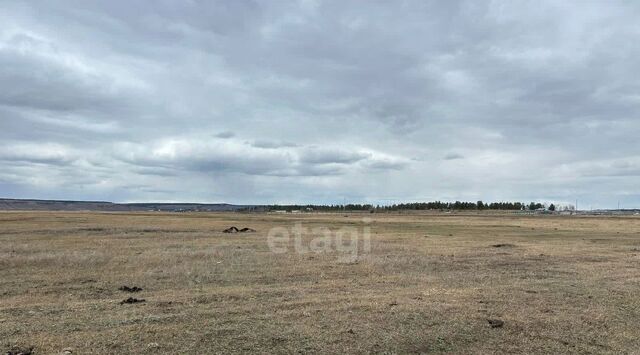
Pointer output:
x,y
130,289
495,323
503,245
236,230
132,300
17,350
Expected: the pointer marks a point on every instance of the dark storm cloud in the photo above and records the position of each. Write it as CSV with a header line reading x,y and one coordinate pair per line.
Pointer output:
x,y
250,101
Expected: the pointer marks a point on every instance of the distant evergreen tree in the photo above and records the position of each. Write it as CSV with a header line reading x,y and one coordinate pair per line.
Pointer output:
x,y
433,205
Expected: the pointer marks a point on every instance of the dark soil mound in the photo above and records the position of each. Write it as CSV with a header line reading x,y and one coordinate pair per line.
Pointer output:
x,y
130,289
16,350
236,230
495,323
132,300
503,245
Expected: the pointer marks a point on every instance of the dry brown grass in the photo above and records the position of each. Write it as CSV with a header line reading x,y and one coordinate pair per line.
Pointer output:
x,y
429,284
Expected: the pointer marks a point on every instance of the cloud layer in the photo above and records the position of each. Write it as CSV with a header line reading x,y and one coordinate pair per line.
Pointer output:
x,y
320,101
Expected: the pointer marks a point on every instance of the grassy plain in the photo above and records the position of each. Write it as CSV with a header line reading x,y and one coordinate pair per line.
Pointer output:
x,y
430,283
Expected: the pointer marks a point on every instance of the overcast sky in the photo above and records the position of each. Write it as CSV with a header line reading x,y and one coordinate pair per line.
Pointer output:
x,y
321,101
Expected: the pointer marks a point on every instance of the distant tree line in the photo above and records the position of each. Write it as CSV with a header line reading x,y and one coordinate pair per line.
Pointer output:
x,y
434,205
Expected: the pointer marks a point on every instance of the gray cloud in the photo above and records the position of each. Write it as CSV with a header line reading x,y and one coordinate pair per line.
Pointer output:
x,y
453,156
42,153
316,101
232,156
327,156
226,134
267,144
